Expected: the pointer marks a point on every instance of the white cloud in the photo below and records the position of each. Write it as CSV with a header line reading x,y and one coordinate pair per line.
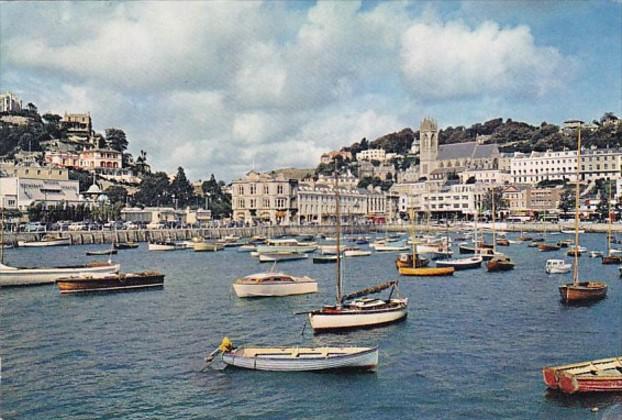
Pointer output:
x,y
451,60
217,86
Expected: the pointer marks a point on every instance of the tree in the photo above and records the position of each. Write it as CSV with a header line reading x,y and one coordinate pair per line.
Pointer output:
x,y
116,139
499,200
53,119
141,164
181,189
154,190
116,194
567,200
219,201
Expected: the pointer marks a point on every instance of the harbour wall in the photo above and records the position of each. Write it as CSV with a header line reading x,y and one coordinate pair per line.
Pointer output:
x,y
146,235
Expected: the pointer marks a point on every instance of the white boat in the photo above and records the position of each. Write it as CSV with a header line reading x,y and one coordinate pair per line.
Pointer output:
x,y
390,248
596,254
613,251
286,245
165,246
247,248
300,359
30,276
571,231
356,253
556,266
273,284
46,241
462,263
281,256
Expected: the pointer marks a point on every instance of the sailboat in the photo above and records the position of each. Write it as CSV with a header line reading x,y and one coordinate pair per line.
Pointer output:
x,y
610,258
498,262
588,290
357,310
417,266
546,246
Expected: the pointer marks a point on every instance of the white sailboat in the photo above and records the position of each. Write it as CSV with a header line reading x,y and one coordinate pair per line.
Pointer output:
x,y
357,310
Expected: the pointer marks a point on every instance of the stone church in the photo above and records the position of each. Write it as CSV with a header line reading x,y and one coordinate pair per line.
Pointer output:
x,y
440,161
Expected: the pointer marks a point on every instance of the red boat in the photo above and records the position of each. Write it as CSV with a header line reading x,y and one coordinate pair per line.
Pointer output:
x,y
545,247
612,259
603,375
584,291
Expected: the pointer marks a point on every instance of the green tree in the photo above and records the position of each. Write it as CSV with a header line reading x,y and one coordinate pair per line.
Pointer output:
x,y
219,201
116,139
567,200
497,194
154,190
181,189
116,194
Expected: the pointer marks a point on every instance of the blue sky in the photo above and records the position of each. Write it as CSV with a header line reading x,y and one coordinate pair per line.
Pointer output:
x,y
224,87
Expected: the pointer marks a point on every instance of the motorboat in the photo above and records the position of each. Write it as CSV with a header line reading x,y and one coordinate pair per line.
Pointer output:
x,y
548,247
461,263
273,284
165,246
30,276
390,248
286,246
298,359
580,251
406,260
247,248
125,245
109,282
557,266
596,254
47,240
604,375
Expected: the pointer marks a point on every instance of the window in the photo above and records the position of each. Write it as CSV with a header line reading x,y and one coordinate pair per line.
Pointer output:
x,y
252,206
266,189
279,189
253,188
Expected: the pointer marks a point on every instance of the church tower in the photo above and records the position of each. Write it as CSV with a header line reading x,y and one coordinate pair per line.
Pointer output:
x,y
428,143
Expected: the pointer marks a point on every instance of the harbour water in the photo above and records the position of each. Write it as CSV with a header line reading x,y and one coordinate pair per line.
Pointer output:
x,y
472,347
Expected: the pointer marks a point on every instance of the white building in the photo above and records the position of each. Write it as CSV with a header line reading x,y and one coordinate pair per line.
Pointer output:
x,y
317,203
372,154
264,197
487,176
10,102
540,166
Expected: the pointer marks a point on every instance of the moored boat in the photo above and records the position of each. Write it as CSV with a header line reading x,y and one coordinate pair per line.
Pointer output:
x,y
583,291
102,252
207,247
273,284
503,242
165,246
47,240
125,245
461,263
30,276
557,266
596,254
612,259
356,253
578,250
406,260
281,256
298,359
604,375
502,263
547,247
89,283
325,259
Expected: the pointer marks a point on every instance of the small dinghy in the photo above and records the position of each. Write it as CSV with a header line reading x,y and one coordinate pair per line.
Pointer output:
x,y
102,252
165,246
356,253
282,256
502,263
603,375
125,245
596,254
325,259
296,359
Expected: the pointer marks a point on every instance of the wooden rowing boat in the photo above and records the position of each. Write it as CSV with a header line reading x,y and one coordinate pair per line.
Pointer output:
x,y
502,263
299,359
604,375
548,247
426,271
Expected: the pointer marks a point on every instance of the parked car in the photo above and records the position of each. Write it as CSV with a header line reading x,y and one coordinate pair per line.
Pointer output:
x,y
76,226
34,227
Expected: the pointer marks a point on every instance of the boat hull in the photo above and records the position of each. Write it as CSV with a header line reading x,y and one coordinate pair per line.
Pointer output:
x,y
92,284
36,244
462,264
612,259
426,271
274,290
365,359
585,291
10,276
603,375
325,321
281,257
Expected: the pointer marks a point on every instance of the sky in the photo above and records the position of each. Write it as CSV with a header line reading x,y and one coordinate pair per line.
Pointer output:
x,y
225,87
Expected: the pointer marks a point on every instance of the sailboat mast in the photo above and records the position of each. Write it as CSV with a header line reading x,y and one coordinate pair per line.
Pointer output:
x,y
414,238
1,233
494,229
575,274
609,227
338,231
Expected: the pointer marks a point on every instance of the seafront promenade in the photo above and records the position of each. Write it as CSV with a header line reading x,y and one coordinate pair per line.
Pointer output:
x,y
145,235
